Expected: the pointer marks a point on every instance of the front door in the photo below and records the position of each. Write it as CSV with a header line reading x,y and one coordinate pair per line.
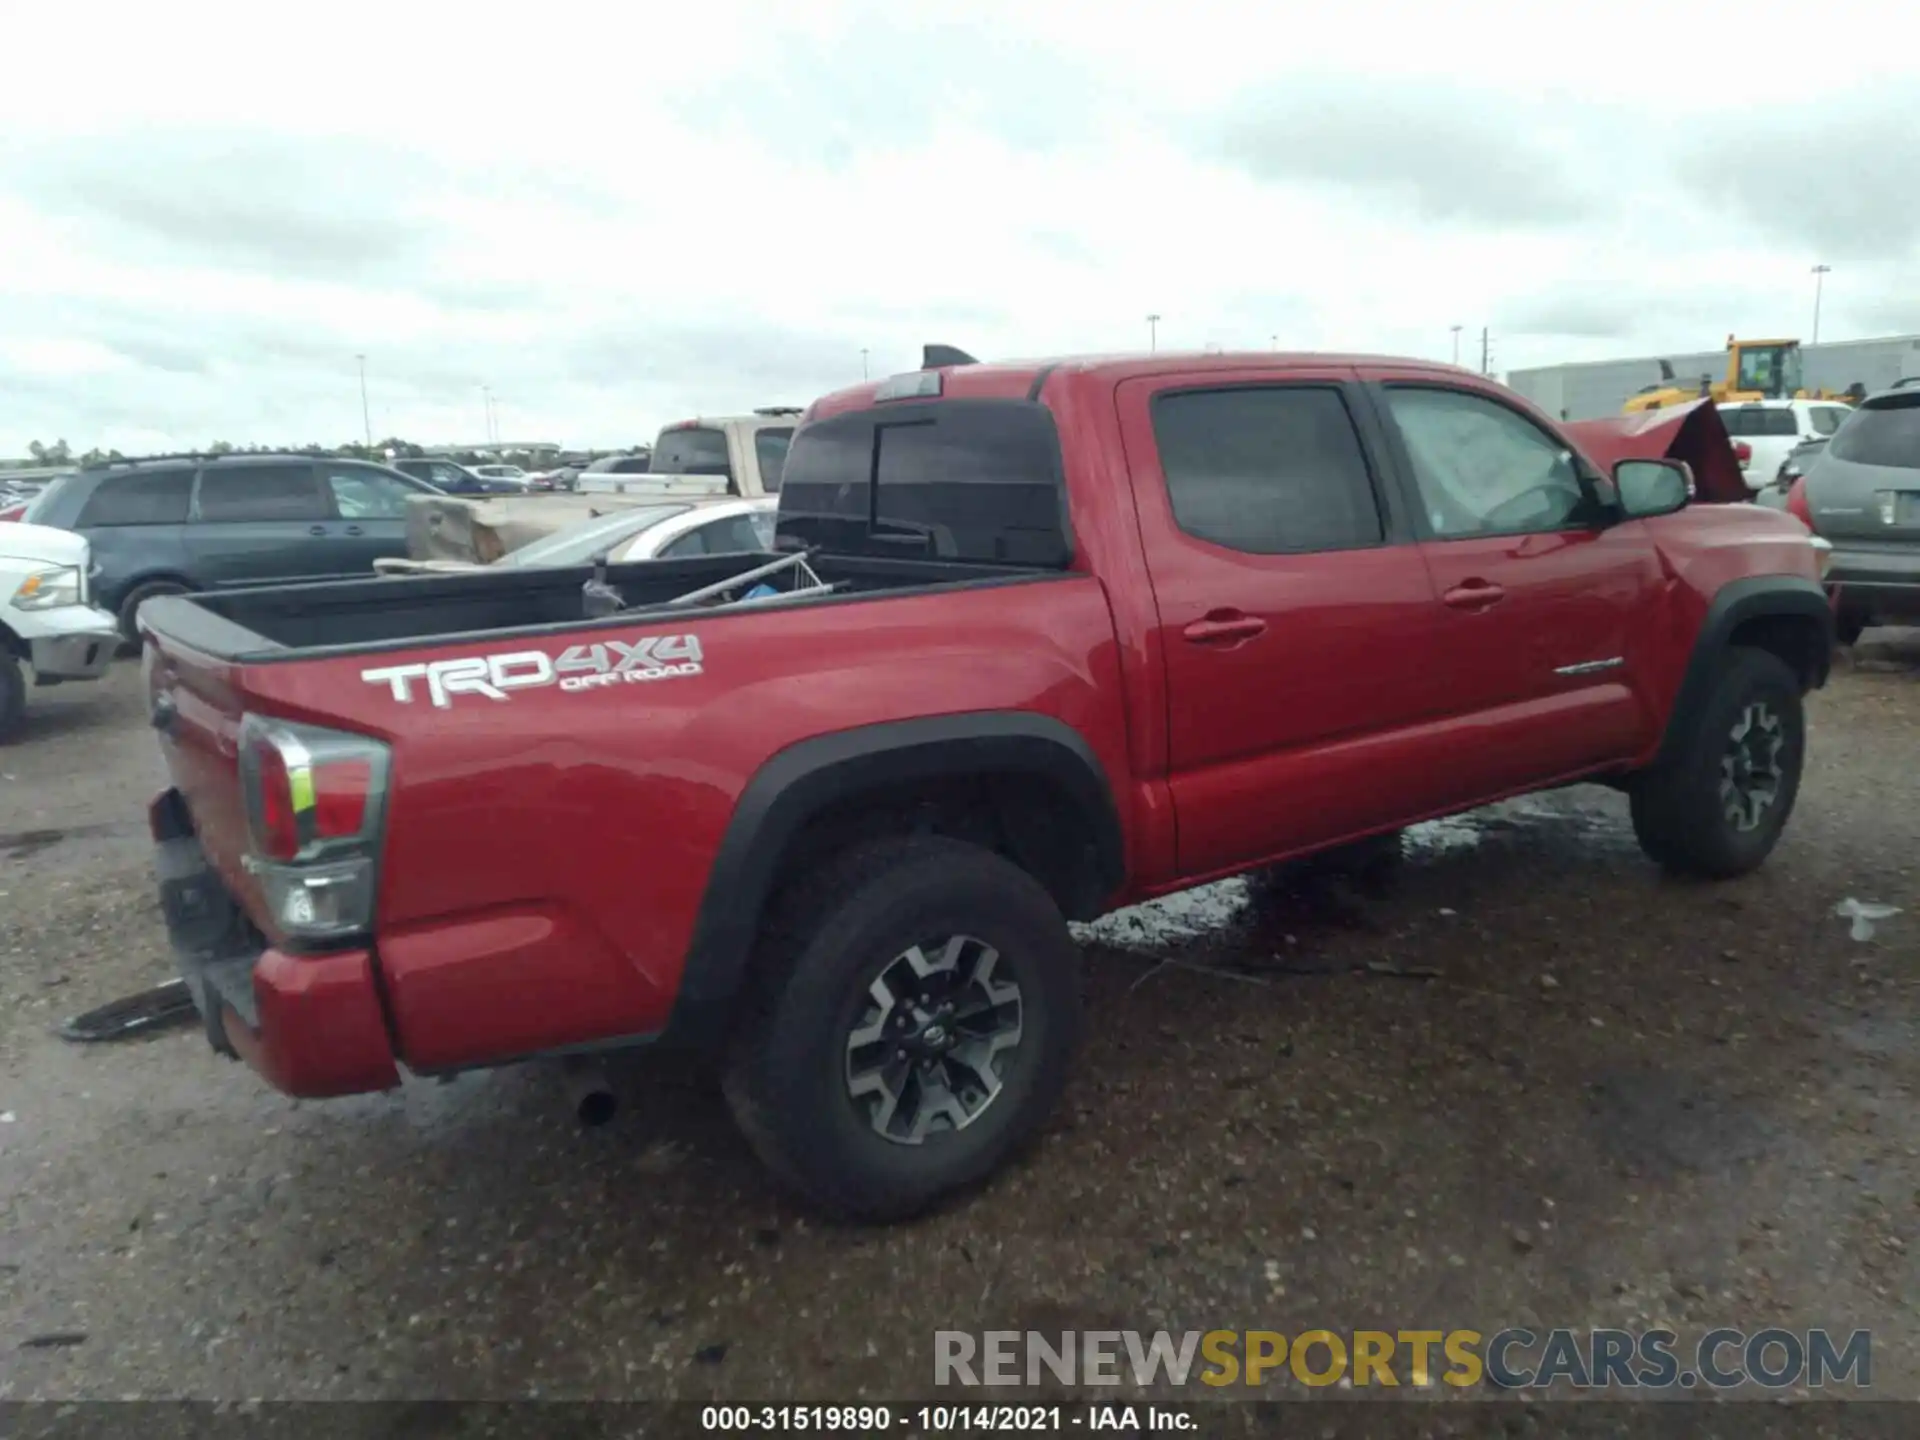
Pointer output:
x,y
1295,612
1542,594
372,514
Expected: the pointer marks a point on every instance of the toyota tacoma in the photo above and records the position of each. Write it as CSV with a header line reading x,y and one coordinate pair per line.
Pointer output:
x,y
1036,641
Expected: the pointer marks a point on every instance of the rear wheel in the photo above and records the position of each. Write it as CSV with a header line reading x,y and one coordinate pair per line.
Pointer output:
x,y
914,1011
138,596
1718,808
13,696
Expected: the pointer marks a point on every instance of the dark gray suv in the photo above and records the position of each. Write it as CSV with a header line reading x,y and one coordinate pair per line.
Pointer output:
x,y
173,523
1863,495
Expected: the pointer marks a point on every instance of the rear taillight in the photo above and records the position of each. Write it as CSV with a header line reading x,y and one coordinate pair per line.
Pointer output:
x,y
13,512
316,800
1743,452
1797,505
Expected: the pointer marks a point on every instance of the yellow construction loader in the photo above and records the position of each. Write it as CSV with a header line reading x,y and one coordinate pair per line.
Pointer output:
x,y
1756,370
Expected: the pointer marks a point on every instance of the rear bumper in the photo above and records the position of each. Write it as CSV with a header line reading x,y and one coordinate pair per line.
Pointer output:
x,y
1880,582
312,1025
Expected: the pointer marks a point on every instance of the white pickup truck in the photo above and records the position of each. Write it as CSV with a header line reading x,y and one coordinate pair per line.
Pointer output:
x,y
738,455
46,621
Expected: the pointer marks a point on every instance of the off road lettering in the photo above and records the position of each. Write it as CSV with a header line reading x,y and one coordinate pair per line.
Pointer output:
x,y
579,667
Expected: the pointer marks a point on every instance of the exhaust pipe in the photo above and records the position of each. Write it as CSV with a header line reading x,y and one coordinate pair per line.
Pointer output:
x,y
590,1094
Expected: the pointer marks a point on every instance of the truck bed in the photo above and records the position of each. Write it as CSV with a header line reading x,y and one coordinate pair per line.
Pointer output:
x,y
288,622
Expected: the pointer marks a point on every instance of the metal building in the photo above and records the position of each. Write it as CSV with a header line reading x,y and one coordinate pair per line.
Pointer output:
x,y
1596,388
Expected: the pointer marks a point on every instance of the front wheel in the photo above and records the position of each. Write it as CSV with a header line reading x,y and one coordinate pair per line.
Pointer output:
x,y
13,697
1718,808
914,1011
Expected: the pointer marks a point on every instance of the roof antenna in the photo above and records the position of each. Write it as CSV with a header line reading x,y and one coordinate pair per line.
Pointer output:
x,y
932,357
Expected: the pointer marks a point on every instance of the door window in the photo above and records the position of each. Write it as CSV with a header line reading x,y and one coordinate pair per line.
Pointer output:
x,y
260,492
1483,469
1267,470
367,495
770,450
1827,418
140,498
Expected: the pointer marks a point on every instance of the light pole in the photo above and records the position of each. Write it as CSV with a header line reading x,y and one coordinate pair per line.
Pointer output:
x,y
863,362
1456,343
1153,332
1274,340
1820,273
366,415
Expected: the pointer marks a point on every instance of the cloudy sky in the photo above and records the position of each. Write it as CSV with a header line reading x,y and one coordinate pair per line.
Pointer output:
x,y
619,216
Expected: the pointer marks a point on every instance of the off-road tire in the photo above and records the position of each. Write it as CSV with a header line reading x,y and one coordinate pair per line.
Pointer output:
x,y
130,607
828,936
13,697
1679,814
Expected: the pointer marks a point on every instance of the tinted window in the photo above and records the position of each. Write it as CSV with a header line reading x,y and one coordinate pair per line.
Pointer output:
x,y
1828,418
367,495
1887,433
693,451
969,480
770,450
139,498
1753,421
260,492
737,534
1267,471
1483,469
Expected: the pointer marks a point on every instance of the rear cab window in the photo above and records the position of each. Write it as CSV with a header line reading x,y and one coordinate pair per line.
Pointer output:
x,y
137,497
692,450
1749,421
975,481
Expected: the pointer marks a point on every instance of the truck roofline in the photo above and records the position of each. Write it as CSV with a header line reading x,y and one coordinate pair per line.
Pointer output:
x,y
1014,379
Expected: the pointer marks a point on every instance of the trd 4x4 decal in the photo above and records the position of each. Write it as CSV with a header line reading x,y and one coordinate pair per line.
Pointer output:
x,y
578,667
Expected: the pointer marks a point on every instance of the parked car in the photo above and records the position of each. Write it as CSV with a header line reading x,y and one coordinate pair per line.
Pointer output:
x,y
827,816
511,474
738,455
1773,428
48,623
1862,494
170,524
449,478
643,532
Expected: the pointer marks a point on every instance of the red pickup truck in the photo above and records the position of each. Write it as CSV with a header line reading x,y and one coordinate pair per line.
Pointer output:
x,y
1066,636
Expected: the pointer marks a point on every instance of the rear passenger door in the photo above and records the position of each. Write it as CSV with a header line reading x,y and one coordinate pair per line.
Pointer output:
x,y
260,524
1295,613
371,511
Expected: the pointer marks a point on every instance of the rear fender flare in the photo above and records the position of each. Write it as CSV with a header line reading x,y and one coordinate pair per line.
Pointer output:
x,y
1756,597
803,780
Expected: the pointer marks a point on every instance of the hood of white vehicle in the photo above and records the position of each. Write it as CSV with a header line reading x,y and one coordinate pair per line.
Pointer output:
x,y
41,545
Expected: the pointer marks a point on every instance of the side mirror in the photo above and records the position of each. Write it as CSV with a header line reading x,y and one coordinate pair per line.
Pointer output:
x,y
1652,487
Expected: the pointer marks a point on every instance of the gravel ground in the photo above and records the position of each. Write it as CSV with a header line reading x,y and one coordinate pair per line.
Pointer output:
x,y
1621,1100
